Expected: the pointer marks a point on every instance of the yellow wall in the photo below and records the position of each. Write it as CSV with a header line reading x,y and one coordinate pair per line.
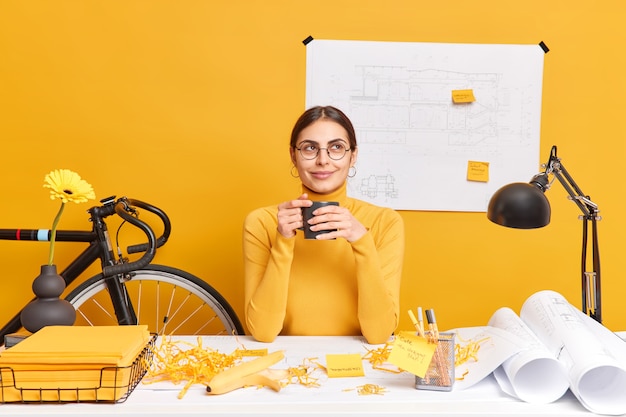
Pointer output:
x,y
189,104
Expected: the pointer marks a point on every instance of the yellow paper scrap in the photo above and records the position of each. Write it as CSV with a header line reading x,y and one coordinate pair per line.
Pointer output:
x,y
252,352
344,365
412,353
463,96
478,171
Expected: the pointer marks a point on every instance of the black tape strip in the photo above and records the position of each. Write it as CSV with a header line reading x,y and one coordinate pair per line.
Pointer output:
x,y
544,47
307,40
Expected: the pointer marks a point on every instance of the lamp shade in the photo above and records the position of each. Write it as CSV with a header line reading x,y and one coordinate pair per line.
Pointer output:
x,y
519,205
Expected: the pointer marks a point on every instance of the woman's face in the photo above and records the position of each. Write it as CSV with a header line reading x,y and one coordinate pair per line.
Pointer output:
x,y
323,174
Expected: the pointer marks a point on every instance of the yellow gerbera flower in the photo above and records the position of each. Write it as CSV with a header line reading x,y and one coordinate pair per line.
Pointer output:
x,y
66,186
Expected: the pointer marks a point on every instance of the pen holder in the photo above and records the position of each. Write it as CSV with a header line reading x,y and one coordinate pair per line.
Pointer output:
x,y
440,373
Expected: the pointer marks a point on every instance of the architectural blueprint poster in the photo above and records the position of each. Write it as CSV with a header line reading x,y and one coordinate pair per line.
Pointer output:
x,y
440,126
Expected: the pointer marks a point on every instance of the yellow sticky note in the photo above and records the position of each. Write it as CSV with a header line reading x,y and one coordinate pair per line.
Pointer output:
x,y
463,96
343,365
412,353
478,171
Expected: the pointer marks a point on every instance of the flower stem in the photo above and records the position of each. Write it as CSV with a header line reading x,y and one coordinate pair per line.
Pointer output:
x,y
53,233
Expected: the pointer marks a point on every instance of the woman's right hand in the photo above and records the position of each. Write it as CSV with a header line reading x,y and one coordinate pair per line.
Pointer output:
x,y
290,215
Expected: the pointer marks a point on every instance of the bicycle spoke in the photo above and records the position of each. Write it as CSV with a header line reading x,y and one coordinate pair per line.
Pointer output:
x,y
206,325
167,317
84,317
187,319
139,298
100,307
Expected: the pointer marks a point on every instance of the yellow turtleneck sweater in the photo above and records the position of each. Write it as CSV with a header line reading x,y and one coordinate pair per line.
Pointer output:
x,y
295,286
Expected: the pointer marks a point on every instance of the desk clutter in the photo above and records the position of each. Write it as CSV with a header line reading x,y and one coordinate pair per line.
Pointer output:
x,y
550,353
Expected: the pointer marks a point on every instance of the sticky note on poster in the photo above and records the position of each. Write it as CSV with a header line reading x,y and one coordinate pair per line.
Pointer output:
x,y
412,353
478,171
344,365
463,96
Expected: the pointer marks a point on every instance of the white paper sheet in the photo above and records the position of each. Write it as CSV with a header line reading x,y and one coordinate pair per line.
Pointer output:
x,y
497,346
414,141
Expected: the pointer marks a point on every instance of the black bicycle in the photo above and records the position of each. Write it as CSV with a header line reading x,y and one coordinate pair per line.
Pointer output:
x,y
168,300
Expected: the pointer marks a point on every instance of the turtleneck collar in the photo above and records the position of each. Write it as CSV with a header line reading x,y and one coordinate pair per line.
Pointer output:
x,y
339,194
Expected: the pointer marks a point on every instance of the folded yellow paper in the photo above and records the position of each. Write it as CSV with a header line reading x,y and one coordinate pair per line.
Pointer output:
x,y
114,345
71,363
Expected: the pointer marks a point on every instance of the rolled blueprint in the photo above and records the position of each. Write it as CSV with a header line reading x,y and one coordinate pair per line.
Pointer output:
x,y
533,374
593,356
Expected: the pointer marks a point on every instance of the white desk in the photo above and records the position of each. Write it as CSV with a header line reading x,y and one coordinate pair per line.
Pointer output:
x,y
335,396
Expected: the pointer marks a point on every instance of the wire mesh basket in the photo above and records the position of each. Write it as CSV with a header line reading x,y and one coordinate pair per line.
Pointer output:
x,y
110,384
440,373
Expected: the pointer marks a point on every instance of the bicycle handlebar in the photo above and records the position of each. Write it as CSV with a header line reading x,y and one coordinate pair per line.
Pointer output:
x,y
123,208
167,226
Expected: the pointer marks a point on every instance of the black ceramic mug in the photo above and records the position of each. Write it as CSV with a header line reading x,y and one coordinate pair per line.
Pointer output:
x,y
307,214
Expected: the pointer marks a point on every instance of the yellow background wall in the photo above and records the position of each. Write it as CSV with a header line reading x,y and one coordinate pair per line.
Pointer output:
x,y
189,104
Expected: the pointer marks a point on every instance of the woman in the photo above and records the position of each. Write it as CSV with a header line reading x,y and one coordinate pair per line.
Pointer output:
x,y
346,281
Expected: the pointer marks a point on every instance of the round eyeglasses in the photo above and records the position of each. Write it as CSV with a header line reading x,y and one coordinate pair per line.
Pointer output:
x,y
335,151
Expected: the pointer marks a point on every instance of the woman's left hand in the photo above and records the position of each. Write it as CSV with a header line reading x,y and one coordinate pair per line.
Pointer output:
x,y
340,221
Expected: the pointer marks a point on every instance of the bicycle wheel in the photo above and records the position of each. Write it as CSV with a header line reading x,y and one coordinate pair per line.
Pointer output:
x,y
169,301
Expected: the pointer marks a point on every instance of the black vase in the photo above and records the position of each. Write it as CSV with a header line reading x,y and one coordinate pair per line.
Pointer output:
x,y
48,309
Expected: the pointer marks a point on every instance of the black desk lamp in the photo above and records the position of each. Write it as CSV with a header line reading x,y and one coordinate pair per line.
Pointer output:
x,y
525,206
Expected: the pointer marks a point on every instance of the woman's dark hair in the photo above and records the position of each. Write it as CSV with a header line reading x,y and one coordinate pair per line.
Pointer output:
x,y
320,113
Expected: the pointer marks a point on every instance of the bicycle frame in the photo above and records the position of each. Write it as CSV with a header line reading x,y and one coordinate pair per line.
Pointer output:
x,y
100,248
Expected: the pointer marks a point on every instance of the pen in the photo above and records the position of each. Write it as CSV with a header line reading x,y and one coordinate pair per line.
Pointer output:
x,y
432,323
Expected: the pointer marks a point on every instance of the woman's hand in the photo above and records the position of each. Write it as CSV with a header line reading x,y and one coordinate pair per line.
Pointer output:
x,y
339,220
290,215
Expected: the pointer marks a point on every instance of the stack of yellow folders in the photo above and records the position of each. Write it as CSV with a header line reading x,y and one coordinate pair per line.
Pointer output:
x,y
71,363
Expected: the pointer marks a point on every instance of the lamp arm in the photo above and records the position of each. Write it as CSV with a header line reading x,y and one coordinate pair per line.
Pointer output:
x,y
591,288
584,203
